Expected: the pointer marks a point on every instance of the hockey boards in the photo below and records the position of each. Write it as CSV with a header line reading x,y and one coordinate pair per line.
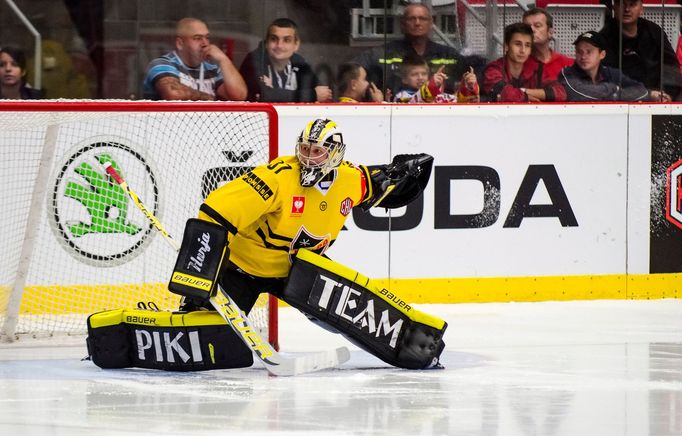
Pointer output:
x,y
273,361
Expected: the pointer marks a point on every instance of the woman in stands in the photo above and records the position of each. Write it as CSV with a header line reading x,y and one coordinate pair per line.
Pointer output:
x,y
13,75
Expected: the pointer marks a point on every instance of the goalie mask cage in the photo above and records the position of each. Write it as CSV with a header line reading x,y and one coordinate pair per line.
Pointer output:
x,y
73,242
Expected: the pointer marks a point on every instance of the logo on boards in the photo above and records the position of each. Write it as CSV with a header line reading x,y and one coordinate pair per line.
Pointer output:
x,y
91,216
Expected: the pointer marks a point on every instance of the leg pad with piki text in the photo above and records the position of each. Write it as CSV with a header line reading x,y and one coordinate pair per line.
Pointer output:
x,y
172,341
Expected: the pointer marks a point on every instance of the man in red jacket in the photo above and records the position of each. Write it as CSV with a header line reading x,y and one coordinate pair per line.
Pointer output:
x,y
549,60
515,78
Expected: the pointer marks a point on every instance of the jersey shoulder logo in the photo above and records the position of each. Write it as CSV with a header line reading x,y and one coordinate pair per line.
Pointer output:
x,y
346,206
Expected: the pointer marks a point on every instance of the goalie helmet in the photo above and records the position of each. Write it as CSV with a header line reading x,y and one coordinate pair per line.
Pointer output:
x,y
320,133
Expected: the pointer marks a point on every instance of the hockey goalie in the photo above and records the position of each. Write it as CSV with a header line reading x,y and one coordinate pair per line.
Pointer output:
x,y
268,231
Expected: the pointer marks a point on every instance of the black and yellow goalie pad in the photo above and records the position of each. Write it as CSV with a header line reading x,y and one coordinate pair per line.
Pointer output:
x,y
171,341
199,262
376,320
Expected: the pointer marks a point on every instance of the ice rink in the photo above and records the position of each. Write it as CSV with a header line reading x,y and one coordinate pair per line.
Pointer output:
x,y
553,368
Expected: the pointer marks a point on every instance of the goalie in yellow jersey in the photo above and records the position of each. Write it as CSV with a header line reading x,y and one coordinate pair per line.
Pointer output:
x,y
271,213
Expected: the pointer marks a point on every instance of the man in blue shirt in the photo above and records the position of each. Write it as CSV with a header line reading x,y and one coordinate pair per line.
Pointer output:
x,y
196,70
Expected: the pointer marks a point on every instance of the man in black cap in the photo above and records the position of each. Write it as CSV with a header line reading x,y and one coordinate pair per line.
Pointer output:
x,y
588,80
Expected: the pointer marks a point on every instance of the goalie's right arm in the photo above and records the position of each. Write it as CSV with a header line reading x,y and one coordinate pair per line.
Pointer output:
x,y
400,182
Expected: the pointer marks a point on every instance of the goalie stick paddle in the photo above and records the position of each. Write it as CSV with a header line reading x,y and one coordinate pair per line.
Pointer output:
x,y
273,361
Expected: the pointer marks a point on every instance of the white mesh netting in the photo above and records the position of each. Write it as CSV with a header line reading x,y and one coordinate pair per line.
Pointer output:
x,y
73,242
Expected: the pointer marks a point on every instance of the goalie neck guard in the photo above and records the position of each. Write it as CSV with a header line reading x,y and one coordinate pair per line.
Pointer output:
x,y
324,134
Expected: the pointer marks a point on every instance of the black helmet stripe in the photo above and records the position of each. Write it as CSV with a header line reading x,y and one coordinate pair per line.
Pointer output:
x,y
317,129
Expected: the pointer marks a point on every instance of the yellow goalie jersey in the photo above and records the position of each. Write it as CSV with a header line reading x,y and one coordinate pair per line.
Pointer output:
x,y
269,215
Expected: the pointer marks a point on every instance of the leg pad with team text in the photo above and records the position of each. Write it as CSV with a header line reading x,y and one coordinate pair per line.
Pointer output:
x,y
373,318
203,249
170,341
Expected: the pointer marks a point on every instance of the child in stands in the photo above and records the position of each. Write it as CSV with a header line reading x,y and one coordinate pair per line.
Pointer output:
x,y
418,88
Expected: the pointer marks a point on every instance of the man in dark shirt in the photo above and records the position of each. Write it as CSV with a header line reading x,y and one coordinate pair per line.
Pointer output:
x,y
641,51
275,72
588,80
415,23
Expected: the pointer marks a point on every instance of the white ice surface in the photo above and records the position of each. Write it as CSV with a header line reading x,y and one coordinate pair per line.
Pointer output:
x,y
553,368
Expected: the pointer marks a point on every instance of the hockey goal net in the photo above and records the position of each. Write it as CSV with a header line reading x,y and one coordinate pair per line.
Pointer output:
x,y
73,243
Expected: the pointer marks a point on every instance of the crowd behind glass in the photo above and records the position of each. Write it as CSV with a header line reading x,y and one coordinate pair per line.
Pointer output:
x,y
629,59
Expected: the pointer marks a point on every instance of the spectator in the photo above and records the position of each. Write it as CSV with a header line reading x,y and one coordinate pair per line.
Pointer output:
x,y
196,70
59,77
353,86
542,24
276,72
510,78
678,52
415,24
642,44
588,80
12,76
417,88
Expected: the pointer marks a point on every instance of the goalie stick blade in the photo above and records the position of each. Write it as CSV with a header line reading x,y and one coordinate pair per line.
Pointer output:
x,y
322,360
288,366
274,362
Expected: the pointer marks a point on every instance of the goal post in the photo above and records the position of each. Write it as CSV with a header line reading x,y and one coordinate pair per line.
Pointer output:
x,y
73,242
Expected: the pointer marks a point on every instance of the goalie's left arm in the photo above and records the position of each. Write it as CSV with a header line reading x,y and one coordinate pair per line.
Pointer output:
x,y
398,183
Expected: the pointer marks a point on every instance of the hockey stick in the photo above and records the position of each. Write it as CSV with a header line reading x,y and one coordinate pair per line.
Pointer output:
x,y
274,362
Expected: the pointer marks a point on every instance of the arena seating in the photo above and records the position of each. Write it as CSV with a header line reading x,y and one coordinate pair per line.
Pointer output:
x,y
571,18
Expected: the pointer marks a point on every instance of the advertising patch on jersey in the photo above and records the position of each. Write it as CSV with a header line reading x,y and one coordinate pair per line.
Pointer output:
x,y
346,206
297,204
665,221
258,185
305,239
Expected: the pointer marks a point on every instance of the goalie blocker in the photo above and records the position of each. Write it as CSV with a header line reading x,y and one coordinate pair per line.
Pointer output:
x,y
200,261
375,319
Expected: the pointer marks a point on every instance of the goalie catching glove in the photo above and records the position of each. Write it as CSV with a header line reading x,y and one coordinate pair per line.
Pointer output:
x,y
400,182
